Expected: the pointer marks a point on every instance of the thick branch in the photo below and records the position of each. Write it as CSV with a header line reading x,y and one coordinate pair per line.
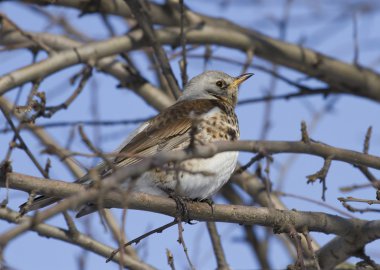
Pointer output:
x,y
277,219
341,248
346,77
274,218
109,65
365,83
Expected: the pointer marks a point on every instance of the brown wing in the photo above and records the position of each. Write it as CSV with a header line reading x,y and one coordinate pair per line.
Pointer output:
x,y
173,124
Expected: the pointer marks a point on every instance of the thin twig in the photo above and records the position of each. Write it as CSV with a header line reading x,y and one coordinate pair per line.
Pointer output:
x,y
170,259
355,38
367,140
30,103
123,225
310,246
183,62
324,204
89,144
85,123
260,248
73,231
248,60
304,134
271,90
86,74
217,246
181,241
354,187
352,199
359,210
22,142
321,175
141,237
47,166
300,264
61,21
118,235
243,168
108,25
37,42
146,25
363,169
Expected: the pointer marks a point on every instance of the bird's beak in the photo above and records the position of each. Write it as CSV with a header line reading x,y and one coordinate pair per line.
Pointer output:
x,y
239,79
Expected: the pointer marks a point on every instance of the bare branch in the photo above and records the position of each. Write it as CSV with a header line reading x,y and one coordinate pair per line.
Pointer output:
x,y
318,202
345,77
141,237
341,76
7,23
182,242
217,246
170,258
183,62
305,136
352,199
22,142
110,65
198,211
367,140
144,21
321,175
80,240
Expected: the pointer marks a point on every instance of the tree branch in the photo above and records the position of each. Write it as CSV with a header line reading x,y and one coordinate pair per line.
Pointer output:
x,y
277,219
140,14
80,239
315,221
151,94
346,77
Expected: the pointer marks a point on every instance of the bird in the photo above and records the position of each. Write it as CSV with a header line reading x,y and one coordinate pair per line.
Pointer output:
x,y
203,114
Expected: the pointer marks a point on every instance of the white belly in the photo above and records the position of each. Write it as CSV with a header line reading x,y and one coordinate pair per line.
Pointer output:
x,y
207,177
201,186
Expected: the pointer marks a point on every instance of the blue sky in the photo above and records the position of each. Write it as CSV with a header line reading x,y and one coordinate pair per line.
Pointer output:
x,y
325,30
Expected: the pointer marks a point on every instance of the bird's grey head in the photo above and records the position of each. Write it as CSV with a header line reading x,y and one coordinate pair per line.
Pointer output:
x,y
214,85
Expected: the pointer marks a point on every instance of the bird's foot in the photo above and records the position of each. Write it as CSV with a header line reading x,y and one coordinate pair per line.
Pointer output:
x,y
182,210
209,201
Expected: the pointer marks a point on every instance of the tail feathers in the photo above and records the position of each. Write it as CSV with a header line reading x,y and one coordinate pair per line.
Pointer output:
x,y
38,202
43,201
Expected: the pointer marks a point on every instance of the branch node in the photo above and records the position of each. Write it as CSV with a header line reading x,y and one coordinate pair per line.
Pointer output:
x,y
243,168
170,259
321,175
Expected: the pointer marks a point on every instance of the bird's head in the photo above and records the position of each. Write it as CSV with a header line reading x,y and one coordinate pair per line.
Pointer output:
x,y
214,85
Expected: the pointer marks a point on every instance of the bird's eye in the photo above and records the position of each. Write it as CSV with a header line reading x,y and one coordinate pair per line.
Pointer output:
x,y
220,84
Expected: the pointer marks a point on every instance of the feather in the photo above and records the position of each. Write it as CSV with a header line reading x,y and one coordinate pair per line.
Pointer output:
x,y
167,131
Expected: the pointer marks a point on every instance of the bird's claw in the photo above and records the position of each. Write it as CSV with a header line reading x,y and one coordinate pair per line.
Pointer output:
x,y
182,211
209,201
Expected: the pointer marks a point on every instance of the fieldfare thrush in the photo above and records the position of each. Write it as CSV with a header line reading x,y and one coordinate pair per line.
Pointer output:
x,y
205,113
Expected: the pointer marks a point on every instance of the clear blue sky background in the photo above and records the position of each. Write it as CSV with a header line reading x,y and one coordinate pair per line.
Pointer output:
x,y
326,30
